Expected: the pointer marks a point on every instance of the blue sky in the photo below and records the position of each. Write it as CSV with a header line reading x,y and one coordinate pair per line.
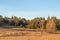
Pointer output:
x,y
30,8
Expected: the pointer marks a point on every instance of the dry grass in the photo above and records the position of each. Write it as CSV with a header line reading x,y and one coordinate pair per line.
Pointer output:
x,y
16,34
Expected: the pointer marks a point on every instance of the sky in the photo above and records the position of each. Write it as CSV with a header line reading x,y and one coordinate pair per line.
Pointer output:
x,y
30,9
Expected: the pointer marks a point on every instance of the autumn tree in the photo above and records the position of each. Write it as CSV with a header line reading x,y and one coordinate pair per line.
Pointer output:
x,y
42,24
22,22
6,20
51,25
58,24
1,20
37,23
13,20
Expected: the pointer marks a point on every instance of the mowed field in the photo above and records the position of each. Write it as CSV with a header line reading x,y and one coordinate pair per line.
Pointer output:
x,y
25,34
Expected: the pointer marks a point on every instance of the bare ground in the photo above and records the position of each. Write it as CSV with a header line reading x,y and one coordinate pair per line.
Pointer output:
x,y
17,34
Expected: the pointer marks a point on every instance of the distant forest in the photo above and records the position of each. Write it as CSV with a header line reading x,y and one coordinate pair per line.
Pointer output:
x,y
52,23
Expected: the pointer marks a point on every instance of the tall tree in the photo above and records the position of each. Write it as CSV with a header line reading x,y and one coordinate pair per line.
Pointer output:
x,y
1,20
51,25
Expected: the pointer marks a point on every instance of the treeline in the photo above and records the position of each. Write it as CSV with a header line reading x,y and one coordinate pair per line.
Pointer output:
x,y
51,24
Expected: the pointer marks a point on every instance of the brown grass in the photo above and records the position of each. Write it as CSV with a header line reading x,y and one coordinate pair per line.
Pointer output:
x,y
16,34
